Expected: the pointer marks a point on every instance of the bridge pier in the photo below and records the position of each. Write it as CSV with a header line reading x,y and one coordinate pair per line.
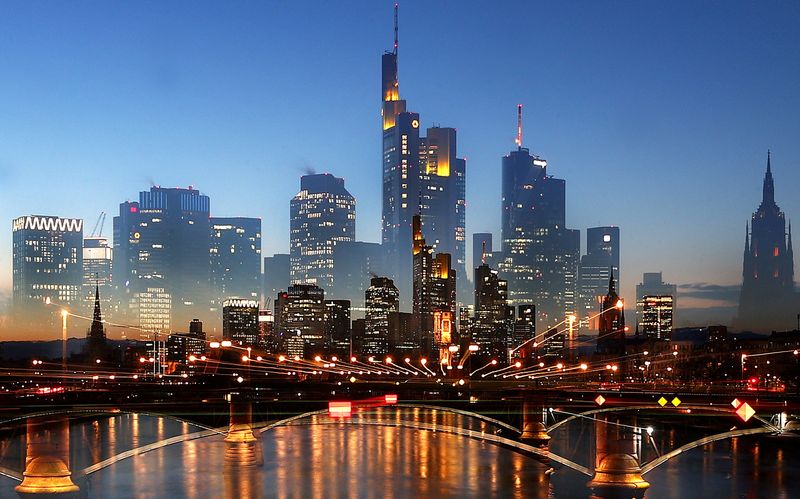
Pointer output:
x,y
242,447
534,430
617,472
47,472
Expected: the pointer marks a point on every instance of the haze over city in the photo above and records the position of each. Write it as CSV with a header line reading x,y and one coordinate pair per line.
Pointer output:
x,y
659,121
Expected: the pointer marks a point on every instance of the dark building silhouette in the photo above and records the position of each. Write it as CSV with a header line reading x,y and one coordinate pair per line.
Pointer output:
x,y
96,335
540,256
768,300
354,264
300,319
481,248
337,326
611,333
381,299
235,258
323,214
490,326
276,276
434,297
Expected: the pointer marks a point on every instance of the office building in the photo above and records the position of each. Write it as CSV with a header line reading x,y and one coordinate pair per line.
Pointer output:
x,y
97,271
235,256
540,256
240,321
300,313
656,318
337,326
47,266
354,265
161,247
323,214
653,285
596,266
381,299
768,300
490,327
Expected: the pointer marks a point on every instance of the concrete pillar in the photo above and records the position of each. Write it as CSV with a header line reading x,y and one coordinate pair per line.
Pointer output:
x,y
47,472
242,447
534,430
617,472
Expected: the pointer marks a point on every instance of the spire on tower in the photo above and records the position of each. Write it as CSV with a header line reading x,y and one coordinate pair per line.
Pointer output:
x,y
395,29
611,287
768,198
519,125
483,250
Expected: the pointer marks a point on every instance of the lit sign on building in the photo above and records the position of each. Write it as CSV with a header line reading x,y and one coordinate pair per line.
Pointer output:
x,y
48,224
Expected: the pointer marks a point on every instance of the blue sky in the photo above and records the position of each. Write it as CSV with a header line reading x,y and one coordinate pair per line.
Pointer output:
x,y
658,115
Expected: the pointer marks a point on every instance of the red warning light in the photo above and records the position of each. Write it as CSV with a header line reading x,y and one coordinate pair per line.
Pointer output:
x,y
134,209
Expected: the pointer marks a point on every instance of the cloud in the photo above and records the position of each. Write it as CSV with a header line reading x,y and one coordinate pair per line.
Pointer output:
x,y
706,295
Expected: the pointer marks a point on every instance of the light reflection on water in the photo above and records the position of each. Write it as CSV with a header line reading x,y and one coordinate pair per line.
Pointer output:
x,y
332,459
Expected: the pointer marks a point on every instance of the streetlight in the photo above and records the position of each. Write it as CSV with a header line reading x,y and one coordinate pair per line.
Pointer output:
x,y
64,315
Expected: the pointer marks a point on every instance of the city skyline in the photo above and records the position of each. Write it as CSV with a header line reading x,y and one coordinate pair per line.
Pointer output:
x,y
593,198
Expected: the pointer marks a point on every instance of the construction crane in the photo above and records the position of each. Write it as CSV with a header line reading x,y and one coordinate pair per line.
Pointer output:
x,y
101,220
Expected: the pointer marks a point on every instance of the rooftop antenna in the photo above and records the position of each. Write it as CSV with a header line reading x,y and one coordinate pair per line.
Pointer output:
x,y
519,125
395,29
483,252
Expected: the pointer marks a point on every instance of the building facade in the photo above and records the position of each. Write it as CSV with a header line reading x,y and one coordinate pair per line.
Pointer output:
x,y
381,299
300,317
240,322
656,318
490,326
235,258
596,267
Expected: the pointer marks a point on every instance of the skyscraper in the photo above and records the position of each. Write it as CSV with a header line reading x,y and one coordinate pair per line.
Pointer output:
x,y
381,299
656,318
434,296
337,326
768,300
323,214
300,317
276,276
235,256
240,321
597,265
47,265
653,285
540,256
490,328
354,264
161,252
97,271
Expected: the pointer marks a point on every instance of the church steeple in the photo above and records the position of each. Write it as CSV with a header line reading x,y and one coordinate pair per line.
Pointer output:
x,y
768,197
611,287
97,317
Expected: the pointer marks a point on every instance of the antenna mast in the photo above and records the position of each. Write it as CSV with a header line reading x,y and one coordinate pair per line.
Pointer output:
x,y
519,125
395,29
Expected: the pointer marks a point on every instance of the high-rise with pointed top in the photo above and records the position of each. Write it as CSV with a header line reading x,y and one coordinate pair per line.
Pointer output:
x,y
768,300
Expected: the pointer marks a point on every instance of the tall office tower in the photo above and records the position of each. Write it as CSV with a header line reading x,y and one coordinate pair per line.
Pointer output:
x,y
434,296
96,335
240,321
481,248
381,299
337,326
540,256
656,321
267,339
47,264
235,258
524,325
182,346
401,334
490,325
442,196
611,335
353,265
97,271
276,276
653,285
161,249
767,300
323,214
300,312
597,265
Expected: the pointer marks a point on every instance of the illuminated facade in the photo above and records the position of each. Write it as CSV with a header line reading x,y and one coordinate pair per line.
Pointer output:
x,y
381,299
653,285
240,322
597,265
434,295
524,324
163,242
235,256
656,318
153,308
323,214
768,300
47,262
490,327
300,312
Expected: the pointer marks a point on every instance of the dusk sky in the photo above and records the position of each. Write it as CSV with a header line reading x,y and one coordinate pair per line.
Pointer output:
x,y
658,115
